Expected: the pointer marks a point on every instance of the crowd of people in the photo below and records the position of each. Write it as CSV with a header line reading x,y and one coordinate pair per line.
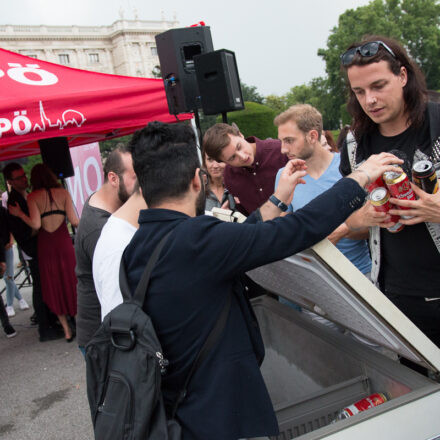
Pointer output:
x,y
294,190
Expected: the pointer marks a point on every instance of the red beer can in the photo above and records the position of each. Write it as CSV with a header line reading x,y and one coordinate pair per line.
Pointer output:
x,y
380,199
378,183
399,187
364,404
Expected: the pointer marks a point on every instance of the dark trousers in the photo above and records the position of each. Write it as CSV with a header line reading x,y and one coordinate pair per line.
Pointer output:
x,y
44,316
3,315
424,314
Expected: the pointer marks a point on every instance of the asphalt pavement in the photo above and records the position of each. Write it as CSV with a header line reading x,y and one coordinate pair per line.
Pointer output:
x,y
42,384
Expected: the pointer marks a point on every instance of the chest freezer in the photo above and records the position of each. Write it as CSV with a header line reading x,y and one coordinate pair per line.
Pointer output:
x,y
313,371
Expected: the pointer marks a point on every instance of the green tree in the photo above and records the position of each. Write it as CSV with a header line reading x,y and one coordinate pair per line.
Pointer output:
x,y
251,94
415,23
276,103
27,163
255,120
105,147
315,93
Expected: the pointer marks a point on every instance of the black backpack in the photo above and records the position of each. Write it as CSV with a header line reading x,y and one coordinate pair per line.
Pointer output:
x,y
125,363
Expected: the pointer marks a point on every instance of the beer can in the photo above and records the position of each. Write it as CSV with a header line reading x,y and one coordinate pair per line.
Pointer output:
x,y
380,199
399,186
424,176
362,405
378,183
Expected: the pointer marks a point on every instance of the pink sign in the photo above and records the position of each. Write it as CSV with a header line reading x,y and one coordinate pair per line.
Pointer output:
x,y
86,160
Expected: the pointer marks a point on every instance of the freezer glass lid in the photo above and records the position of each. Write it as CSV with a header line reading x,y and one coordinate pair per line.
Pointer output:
x,y
323,281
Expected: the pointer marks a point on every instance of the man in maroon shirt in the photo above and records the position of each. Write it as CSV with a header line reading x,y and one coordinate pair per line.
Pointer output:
x,y
251,163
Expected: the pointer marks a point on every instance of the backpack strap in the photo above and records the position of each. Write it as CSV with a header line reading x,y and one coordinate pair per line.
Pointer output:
x,y
209,343
141,289
139,296
434,120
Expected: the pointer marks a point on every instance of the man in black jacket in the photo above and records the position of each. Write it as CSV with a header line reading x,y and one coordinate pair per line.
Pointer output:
x,y
201,263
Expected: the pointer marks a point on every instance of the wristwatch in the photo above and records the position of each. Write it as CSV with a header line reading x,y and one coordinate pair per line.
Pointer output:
x,y
278,203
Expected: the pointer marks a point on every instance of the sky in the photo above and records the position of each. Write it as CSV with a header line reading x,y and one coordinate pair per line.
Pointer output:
x,y
275,42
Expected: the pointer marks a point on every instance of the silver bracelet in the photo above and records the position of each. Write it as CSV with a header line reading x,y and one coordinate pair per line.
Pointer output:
x,y
368,176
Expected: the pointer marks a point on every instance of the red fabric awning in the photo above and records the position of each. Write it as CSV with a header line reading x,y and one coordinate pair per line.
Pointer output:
x,y
41,100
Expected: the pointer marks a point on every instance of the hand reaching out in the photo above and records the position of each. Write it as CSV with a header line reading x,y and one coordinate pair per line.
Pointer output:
x,y
292,175
374,167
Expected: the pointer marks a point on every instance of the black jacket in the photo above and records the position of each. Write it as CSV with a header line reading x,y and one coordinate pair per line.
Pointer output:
x,y
4,227
20,230
202,261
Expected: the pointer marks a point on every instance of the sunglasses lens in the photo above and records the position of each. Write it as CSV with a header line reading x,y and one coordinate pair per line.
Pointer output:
x,y
366,50
369,49
348,56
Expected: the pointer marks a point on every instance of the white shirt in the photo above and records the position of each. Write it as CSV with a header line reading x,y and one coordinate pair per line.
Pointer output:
x,y
114,238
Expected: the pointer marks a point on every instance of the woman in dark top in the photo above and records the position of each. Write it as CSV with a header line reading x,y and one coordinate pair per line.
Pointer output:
x,y
49,205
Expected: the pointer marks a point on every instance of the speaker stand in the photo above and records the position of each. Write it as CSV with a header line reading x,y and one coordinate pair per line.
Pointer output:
x,y
224,117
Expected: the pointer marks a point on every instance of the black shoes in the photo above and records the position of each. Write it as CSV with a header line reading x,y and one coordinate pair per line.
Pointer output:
x,y
73,330
34,320
50,334
10,332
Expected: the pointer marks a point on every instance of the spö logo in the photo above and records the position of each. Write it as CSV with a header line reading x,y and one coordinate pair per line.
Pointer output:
x,y
29,74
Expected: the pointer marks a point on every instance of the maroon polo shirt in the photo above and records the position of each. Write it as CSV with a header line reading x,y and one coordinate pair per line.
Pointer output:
x,y
254,185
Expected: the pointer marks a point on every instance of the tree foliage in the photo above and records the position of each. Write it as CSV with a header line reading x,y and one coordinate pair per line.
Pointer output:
x,y
415,23
26,162
251,94
105,147
315,93
255,120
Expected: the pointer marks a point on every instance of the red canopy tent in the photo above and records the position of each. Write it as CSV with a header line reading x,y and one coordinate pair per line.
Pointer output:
x,y
41,100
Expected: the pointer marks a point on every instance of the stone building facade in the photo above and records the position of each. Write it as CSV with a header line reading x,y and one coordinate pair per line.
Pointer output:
x,y
127,47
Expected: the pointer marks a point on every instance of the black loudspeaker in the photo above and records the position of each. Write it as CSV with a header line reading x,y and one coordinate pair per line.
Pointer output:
x,y
219,83
56,155
176,49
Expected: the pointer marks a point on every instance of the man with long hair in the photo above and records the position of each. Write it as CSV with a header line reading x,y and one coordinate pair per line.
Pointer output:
x,y
390,110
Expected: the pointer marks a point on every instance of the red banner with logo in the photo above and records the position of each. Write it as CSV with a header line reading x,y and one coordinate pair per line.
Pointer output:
x,y
41,100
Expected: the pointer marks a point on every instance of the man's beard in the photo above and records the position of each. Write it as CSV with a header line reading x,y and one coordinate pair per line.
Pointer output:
x,y
123,195
201,201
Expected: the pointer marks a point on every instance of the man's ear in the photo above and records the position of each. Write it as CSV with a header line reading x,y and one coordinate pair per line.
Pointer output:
x,y
313,136
113,178
195,181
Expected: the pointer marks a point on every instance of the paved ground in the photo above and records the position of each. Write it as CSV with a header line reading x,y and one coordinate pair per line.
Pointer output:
x,y
42,385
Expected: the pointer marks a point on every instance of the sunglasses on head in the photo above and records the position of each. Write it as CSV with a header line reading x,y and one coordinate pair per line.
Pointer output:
x,y
365,50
